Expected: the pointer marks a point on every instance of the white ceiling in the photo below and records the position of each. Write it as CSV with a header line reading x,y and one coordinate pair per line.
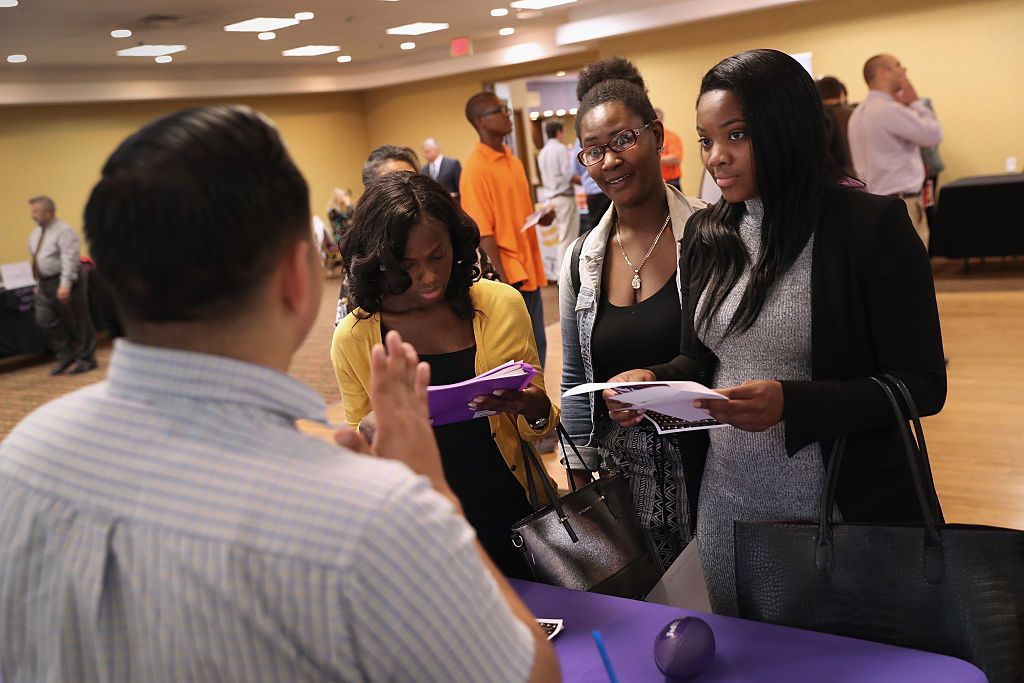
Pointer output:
x,y
71,55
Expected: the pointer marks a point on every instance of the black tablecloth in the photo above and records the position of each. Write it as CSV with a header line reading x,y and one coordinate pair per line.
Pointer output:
x,y
980,216
18,331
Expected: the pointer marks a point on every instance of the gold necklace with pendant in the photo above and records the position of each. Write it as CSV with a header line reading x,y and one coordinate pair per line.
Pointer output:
x,y
636,269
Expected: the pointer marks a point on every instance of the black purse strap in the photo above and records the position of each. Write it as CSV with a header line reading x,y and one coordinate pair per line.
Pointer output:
x,y
531,462
563,439
922,448
824,556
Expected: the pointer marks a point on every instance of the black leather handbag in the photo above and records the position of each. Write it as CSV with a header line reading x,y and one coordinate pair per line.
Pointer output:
x,y
954,589
589,540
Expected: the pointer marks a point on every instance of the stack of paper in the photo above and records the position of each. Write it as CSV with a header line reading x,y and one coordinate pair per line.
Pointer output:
x,y
668,405
450,402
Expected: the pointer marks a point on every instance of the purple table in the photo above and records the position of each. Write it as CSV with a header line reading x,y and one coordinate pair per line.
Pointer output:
x,y
745,650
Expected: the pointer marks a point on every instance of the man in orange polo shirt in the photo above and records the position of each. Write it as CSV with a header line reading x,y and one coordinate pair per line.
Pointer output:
x,y
671,155
496,194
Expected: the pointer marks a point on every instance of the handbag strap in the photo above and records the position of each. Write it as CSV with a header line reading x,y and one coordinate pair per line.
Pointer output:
x,y
923,461
933,540
530,459
563,439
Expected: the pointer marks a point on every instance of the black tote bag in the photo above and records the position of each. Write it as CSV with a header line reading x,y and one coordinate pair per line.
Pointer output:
x,y
954,589
589,540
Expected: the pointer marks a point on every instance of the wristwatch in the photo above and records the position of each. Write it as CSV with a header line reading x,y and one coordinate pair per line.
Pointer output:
x,y
540,423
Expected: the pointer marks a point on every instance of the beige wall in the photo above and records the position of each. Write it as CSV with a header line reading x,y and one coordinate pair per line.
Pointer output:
x,y
965,54
59,150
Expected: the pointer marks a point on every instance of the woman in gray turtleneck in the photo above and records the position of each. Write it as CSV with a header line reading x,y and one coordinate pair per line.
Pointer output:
x,y
800,287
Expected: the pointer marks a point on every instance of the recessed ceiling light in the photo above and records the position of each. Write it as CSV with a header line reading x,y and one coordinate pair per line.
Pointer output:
x,y
408,46
534,115
344,58
538,4
560,112
164,59
121,33
310,50
560,74
572,112
8,3
266,35
150,50
260,24
548,112
304,16
507,31
416,29
17,59
499,12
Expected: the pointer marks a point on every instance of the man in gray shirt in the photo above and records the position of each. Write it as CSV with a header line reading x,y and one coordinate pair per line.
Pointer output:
x,y
61,304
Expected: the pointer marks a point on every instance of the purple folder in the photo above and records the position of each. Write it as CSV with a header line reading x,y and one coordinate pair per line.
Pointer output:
x,y
450,402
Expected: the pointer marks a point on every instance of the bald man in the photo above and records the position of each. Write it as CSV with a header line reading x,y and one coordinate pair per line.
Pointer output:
x,y
886,133
443,169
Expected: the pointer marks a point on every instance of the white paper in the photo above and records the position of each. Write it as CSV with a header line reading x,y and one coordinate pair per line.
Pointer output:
x,y
534,218
17,275
671,398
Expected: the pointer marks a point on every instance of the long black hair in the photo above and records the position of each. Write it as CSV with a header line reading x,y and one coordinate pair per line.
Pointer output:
x,y
785,125
375,245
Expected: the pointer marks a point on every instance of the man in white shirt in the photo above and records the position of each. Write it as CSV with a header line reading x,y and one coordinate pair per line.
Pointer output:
x,y
886,133
172,524
558,178
443,169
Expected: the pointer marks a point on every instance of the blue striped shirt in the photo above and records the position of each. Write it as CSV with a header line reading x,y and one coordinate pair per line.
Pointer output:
x,y
171,524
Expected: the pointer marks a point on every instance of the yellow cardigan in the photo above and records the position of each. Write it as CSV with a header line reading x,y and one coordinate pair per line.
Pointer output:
x,y
502,332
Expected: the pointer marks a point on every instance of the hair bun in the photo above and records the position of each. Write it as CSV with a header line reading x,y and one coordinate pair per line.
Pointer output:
x,y
613,68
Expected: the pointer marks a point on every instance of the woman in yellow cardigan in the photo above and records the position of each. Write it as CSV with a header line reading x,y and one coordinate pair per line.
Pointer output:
x,y
411,261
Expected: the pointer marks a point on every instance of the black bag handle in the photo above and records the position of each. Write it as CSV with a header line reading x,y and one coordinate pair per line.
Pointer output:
x,y
824,556
564,438
922,447
530,458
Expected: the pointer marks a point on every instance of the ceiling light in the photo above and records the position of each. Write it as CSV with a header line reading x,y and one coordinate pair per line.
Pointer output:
x,y
560,74
548,112
17,59
572,112
534,115
408,46
538,4
304,16
267,35
507,31
164,59
344,58
310,50
8,3
260,24
499,12
525,52
417,29
560,112
121,33
150,50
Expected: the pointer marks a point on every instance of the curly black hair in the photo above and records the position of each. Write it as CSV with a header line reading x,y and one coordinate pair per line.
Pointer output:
x,y
375,244
615,79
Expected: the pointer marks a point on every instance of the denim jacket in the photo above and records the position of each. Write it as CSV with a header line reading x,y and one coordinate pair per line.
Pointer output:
x,y
578,313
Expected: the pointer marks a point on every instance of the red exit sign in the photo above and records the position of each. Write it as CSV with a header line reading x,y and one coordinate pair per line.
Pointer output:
x,y
461,47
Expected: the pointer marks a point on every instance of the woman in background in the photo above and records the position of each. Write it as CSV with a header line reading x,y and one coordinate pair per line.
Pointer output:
x,y
798,290
411,263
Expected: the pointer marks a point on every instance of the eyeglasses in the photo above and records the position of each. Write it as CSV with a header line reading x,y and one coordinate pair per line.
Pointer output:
x,y
503,110
620,142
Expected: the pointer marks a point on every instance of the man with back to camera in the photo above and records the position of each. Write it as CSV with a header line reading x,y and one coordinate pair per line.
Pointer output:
x,y
886,133
837,120
496,195
61,301
177,526
444,170
559,180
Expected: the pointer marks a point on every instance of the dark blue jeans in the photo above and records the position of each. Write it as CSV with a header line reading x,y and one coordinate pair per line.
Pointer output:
x,y
535,306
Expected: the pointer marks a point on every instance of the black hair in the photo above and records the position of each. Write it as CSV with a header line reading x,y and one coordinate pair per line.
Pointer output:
x,y
615,79
375,245
476,104
785,125
193,211
553,128
371,168
830,87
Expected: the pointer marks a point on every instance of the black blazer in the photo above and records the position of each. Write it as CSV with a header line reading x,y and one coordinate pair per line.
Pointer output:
x,y
448,175
873,311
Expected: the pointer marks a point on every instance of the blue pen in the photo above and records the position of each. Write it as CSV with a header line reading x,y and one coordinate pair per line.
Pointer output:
x,y
604,656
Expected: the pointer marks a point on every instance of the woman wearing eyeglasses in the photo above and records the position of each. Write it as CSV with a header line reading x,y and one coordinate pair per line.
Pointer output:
x,y
626,312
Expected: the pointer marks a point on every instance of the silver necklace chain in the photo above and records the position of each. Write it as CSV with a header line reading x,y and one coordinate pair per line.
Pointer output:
x,y
636,269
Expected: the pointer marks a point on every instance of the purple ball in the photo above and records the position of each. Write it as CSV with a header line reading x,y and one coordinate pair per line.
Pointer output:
x,y
684,648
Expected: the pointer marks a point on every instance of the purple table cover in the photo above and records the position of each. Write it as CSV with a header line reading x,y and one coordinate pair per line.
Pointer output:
x,y
744,651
